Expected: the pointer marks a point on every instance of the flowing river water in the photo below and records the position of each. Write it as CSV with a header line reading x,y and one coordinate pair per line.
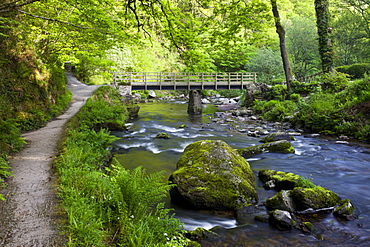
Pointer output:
x,y
342,168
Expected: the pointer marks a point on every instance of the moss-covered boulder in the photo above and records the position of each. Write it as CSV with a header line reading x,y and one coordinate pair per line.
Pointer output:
x,y
313,198
282,146
283,180
278,136
163,135
212,175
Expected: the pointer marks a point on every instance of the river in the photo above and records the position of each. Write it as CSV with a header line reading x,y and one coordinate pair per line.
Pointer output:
x,y
342,168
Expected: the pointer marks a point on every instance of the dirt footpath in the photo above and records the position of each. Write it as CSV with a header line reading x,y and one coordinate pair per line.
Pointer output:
x,y
29,217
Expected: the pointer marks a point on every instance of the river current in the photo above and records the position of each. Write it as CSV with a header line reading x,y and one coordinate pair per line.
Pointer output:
x,y
342,168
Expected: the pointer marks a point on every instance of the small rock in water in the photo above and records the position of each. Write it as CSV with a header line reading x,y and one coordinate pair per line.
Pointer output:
x,y
205,101
342,142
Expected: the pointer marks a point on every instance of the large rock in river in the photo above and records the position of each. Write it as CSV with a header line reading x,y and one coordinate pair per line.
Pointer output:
x,y
212,175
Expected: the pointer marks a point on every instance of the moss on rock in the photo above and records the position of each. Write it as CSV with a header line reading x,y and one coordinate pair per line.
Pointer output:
x,y
211,175
282,201
345,209
314,198
281,146
278,136
163,135
283,180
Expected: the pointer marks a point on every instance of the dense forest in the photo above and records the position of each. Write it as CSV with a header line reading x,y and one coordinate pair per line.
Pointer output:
x,y
313,54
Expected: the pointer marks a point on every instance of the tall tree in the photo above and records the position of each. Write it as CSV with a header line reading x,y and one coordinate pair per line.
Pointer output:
x,y
324,32
284,53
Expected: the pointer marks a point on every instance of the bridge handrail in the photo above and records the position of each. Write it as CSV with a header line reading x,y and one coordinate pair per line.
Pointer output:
x,y
181,79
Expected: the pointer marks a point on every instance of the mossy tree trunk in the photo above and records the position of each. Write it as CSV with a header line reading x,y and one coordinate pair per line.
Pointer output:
x,y
324,32
284,53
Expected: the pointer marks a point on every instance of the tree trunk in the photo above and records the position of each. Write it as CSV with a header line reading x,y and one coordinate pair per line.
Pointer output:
x,y
324,32
284,54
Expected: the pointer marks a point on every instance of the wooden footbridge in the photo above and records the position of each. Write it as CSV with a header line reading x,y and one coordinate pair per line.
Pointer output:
x,y
183,81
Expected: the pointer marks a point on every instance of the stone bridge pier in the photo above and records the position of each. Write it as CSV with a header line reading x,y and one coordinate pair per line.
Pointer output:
x,y
195,102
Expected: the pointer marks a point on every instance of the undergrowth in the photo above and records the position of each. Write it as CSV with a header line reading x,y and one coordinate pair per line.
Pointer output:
x,y
339,108
106,204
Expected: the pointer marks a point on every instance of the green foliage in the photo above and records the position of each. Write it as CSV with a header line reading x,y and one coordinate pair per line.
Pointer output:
x,y
4,172
321,113
277,92
305,182
334,82
107,204
275,110
231,93
356,71
295,97
267,63
302,47
99,113
306,88
10,137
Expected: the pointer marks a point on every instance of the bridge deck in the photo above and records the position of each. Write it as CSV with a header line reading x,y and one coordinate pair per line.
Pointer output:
x,y
183,81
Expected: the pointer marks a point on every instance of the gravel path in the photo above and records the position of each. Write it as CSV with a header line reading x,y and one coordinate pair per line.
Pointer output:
x,y
29,216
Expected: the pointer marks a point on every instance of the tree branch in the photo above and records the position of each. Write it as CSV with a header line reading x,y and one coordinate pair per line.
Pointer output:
x,y
11,6
56,20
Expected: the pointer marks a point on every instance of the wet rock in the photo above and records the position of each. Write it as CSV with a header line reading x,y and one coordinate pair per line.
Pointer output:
x,y
152,94
282,201
307,227
212,175
262,218
282,146
200,233
281,180
277,137
163,135
312,135
205,101
342,142
281,219
183,126
313,198
253,133
345,210
242,112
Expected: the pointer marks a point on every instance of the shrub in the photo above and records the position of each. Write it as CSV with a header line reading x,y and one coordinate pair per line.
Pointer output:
x,y
233,93
275,110
320,113
295,97
356,71
277,92
305,88
334,82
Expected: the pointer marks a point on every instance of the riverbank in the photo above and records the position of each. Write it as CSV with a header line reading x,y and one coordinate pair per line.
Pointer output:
x,y
29,215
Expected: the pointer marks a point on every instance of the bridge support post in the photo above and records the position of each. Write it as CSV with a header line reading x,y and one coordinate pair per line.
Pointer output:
x,y
195,102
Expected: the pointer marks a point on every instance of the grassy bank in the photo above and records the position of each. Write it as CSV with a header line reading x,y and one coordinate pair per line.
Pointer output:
x,y
107,205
